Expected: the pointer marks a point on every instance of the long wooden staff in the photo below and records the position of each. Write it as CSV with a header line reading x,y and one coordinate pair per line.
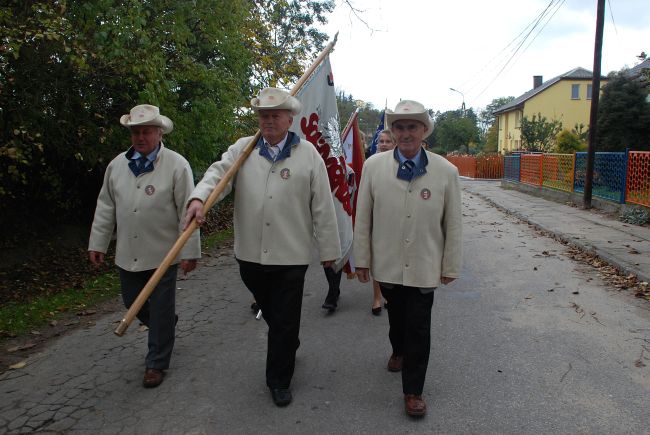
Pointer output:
x,y
218,189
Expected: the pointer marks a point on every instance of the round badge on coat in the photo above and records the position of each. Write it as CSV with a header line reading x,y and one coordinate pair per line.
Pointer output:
x,y
425,194
149,190
285,173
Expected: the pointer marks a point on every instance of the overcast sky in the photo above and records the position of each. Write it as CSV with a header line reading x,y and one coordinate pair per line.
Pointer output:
x,y
418,49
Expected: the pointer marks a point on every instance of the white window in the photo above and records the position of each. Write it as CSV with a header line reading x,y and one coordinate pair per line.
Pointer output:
x,y
575,92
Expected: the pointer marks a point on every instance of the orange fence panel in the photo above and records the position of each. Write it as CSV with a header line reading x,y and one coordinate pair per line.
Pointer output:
x,y
489,166
638,178
557,171
466,165
531,169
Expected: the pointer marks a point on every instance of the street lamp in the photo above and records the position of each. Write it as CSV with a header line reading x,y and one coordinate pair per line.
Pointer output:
x,y
462,95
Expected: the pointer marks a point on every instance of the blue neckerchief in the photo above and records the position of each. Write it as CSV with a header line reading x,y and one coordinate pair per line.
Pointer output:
x,y
421,161
133,157
292,139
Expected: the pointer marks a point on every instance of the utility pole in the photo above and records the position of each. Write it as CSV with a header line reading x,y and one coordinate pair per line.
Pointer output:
x,y
595,96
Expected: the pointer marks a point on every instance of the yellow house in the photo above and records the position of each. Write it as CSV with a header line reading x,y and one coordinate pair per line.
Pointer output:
x,y
566,98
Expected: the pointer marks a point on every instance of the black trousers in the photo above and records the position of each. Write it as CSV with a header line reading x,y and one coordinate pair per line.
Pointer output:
x,y
409,317
158,312
333,279
278,292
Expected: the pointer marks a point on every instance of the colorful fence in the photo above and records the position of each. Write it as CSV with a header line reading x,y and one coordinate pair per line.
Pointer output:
x,y
490,166
557,171
638,178
618,176
511,167
466,165
609,175
530,171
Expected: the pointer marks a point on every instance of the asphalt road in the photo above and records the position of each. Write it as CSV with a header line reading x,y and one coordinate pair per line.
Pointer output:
x,y
526,342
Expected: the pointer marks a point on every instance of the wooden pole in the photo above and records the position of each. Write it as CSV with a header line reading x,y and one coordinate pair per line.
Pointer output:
x,y
218,189
595,96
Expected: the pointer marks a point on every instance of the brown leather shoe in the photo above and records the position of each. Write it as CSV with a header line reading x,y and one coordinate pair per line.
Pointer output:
x,y
395,363
415,406
152,378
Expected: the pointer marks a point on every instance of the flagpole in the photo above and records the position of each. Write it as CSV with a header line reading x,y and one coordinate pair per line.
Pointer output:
x,y
346,130
209,202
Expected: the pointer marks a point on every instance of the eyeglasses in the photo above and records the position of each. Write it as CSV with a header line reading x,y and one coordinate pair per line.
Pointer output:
x,y
411,127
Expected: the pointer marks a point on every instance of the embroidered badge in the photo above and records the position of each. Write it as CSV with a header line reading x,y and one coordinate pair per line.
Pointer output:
x,y
425,194
285,173
149,190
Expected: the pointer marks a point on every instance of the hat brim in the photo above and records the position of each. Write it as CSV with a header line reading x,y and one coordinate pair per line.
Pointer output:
x,y
160,121
422,117
291,104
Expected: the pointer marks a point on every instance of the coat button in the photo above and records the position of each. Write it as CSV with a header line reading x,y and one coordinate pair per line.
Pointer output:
x,y
266,251
268,224
408,215
407,265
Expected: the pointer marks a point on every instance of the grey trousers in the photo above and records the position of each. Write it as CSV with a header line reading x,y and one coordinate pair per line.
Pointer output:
x,y
158,312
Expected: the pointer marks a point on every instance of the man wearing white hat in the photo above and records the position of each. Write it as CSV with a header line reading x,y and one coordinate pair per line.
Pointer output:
x,y
144,194
408,235
282,203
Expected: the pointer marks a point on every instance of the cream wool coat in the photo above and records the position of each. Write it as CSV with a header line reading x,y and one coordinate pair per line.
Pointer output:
x,y
409,233
148,211
280,207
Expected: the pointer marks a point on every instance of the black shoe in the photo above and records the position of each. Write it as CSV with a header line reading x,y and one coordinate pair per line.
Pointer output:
x,y
376,311
175,319
254,308
331,301
281,396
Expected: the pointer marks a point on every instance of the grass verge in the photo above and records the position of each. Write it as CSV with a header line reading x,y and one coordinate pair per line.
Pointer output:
x,y
217,238
20,318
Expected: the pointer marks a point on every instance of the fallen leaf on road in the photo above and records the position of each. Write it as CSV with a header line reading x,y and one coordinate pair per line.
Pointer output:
x,y
143,328
86,312
19,365
21,347
633,251
54,323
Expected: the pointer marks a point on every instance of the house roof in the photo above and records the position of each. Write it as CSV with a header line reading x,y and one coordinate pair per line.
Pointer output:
x,y
574,74
636,70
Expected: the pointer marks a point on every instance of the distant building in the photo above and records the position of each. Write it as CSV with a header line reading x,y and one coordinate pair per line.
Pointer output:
x,y
566,98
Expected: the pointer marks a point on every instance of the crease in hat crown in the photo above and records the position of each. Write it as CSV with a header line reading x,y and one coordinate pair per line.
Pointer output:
x,y
410,110
147,114
276,99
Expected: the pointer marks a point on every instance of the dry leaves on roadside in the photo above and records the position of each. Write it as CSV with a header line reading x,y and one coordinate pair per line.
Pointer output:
x,y
611,274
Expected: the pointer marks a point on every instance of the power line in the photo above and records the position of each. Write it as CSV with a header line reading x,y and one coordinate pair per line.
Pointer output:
x,y
554,3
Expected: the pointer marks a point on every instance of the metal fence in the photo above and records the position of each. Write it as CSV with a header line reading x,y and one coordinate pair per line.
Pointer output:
x,y
531,169
511,167
638,178
609,175
618,176
557,171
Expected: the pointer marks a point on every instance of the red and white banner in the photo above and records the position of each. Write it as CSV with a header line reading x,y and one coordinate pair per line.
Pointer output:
x,y
354,155
318,122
